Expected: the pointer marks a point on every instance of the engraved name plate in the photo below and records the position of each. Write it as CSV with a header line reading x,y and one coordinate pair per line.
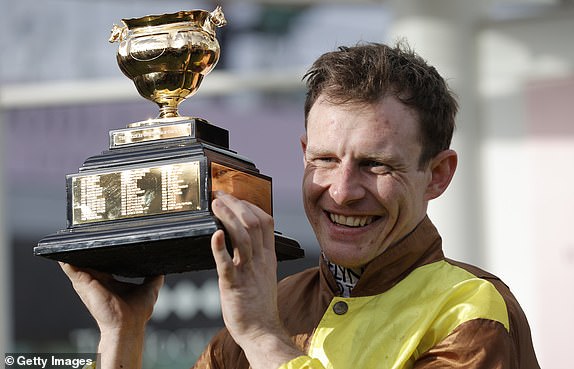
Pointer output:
x,y
130,136
135,192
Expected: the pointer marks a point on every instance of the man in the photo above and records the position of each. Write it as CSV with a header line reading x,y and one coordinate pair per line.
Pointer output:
x,y
379,122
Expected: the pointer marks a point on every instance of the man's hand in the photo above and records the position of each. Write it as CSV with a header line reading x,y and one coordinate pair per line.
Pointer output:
x,y
248,282
121,311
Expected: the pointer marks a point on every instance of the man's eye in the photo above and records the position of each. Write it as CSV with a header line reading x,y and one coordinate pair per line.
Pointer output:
x,y
326,159
374,163
377,166
323,161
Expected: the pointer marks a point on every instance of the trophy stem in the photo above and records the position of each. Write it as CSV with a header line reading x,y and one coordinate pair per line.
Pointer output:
x,y
168,111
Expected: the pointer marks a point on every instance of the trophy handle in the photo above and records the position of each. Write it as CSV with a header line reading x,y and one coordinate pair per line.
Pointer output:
x,y
217,17
118,33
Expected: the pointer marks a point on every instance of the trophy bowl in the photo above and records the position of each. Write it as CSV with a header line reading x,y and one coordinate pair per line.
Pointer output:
x,y
167,56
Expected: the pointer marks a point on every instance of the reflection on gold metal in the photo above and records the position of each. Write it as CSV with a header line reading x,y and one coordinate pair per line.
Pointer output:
x,y
244,186
135,192
122,137
167,56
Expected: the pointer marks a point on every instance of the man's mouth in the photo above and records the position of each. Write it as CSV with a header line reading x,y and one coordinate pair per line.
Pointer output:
x,y
351,221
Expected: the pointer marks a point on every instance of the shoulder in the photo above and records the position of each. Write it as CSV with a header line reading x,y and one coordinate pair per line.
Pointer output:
x,y
519,328
515,312
447,296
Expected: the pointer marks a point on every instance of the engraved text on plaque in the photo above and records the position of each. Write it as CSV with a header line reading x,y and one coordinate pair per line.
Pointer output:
x,y
135,192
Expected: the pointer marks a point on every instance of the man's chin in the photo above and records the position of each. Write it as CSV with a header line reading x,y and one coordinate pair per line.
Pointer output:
x,y
345,259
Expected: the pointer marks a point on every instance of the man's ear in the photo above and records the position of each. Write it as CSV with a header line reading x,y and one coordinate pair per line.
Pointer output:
x,y
304,148
442,168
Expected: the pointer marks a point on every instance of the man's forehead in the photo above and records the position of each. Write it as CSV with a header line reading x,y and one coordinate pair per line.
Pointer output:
x,y
377,131
388,114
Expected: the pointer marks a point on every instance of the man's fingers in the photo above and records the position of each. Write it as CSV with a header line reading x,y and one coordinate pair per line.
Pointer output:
x,y
153,285
267,226
67,268
240,225
223,261
218,247
84,276
156,281
71,271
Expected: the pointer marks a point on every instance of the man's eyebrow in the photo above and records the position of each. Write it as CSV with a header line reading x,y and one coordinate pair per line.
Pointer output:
x,y
317,151
372,156
383,157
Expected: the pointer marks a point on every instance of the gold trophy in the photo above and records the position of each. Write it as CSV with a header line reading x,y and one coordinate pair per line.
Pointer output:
x,y
143,207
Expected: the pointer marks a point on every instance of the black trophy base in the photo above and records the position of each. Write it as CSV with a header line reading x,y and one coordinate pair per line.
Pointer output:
x,y
176,246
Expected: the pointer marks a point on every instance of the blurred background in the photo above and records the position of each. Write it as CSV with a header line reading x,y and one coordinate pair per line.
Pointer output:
x,y
509,209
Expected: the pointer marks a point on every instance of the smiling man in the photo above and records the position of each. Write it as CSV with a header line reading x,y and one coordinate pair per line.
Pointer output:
x,y
379,122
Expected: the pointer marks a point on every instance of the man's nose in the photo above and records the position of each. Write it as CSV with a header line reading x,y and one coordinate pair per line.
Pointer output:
x,y
346,186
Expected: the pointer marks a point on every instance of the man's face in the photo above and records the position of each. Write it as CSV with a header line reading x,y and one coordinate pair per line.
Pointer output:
x,y
362,187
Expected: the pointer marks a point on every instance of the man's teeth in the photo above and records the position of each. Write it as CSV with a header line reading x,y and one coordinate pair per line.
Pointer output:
x,y
351,221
